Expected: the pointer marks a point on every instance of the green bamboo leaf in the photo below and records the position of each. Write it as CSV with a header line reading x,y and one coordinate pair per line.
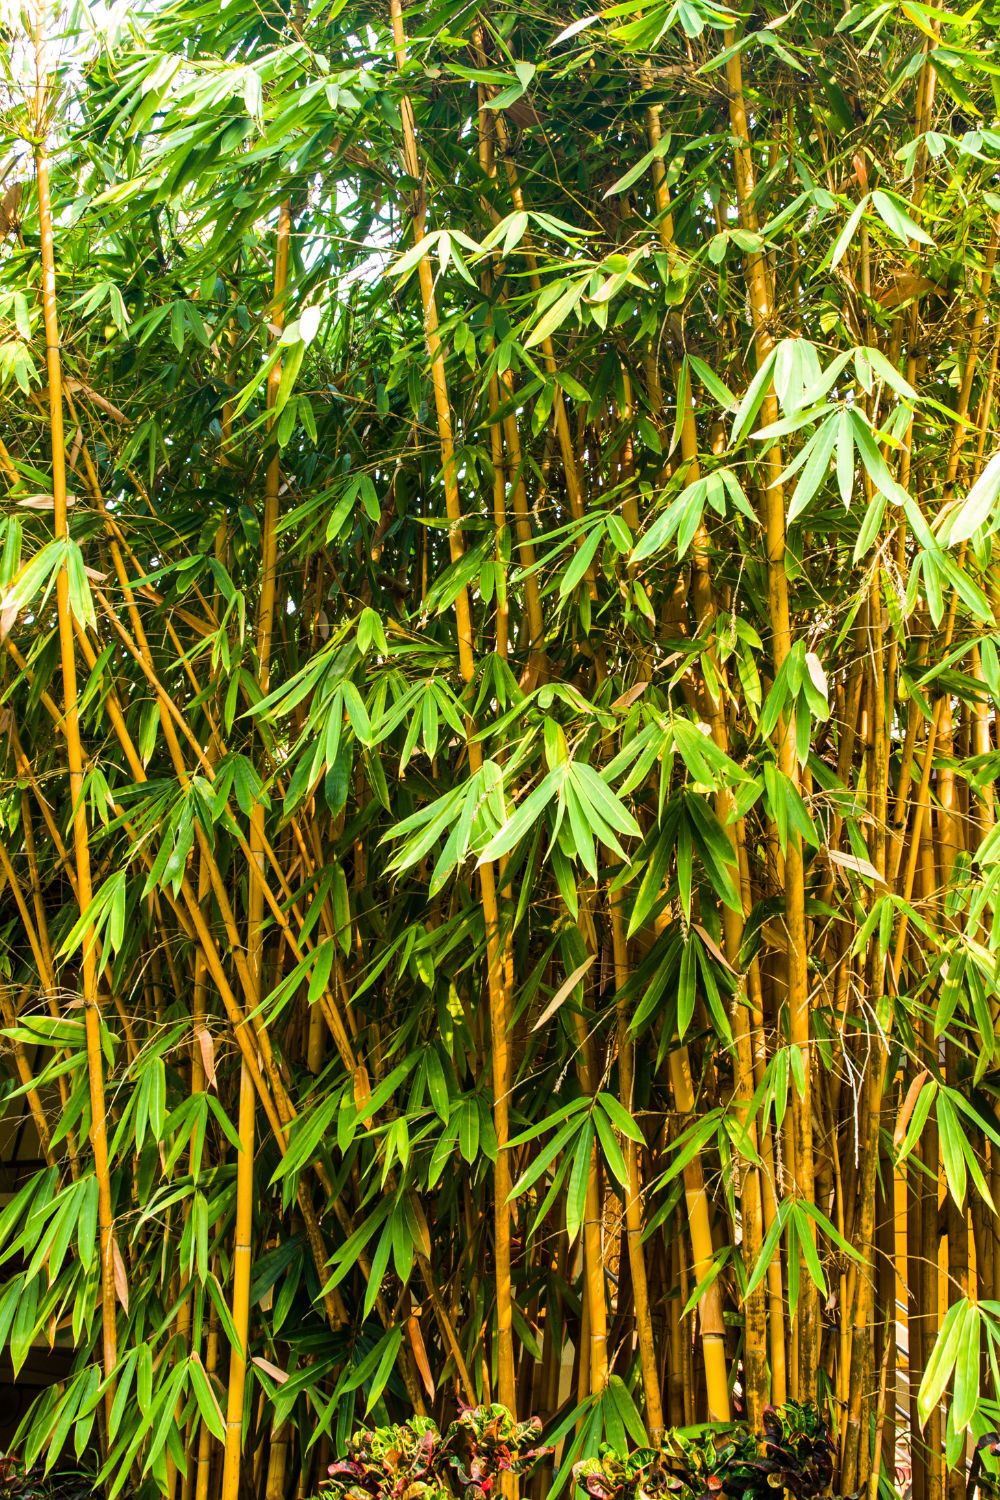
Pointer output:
x,y
977,509
576,1192
966,1388
389,1347
897,219
715,387
848,232
952,1153
769,1248
651,887
640,167
610,1149
600,796
686,988
524,817
208,1403
815,470
556,314
620,1117
581,560
941,1363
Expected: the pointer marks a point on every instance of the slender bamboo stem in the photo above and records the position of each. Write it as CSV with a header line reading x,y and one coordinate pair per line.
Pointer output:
x,y
498,1000
808,1322
71,717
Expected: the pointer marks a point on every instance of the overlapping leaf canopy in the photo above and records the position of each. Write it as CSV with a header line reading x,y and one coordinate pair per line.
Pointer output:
x,y
620,449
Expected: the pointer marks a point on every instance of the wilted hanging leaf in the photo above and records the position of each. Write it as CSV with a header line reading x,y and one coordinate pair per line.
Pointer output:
x,y
856,863
564,991
420,1354
907,1106
275,1372
120,1276
206,1047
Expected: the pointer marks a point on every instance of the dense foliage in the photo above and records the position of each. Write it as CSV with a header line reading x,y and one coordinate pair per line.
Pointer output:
x,y
500,655
793,1452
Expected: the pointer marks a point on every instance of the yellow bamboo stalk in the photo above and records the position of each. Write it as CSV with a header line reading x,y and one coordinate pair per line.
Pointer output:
x,y
499,526
633,1202
243,1250
808,1320
242,1257
713,1328
855,1468
567,450
74,747
203,1465
277,1462
949,842
703,599
594,1367
498,1001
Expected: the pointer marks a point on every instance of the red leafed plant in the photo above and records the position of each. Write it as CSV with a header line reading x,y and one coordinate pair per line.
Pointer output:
x,y
793,1454
413,1461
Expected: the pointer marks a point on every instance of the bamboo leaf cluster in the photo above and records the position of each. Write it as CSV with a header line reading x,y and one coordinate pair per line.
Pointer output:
x,y
499,865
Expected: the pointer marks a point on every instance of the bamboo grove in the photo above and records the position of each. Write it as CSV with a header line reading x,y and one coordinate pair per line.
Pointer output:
x,y
499,634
